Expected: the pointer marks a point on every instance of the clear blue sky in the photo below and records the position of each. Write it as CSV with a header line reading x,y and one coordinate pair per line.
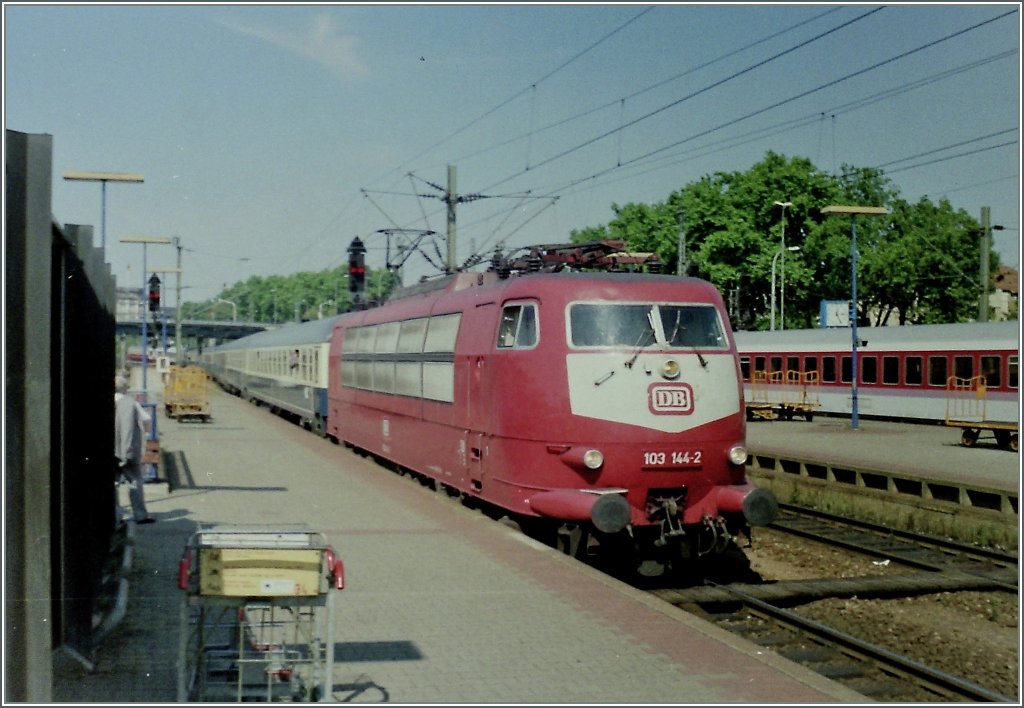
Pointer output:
x,y
269,136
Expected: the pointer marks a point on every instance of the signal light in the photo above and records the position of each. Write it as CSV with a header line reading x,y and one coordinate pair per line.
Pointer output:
x,y
154,294
356,266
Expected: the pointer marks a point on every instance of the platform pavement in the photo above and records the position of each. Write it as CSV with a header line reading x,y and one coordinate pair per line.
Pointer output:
x,y
927,451
442,605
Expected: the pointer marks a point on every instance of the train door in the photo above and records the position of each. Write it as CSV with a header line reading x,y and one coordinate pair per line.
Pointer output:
x,y
474,360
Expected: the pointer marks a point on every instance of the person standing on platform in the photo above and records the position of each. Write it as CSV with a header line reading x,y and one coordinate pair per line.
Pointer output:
x,y
130,420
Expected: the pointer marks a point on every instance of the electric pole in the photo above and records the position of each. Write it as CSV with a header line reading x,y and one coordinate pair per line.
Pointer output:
x,y
986,246
450,200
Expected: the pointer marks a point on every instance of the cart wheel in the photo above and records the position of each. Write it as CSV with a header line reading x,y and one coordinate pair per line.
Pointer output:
x,y
969,437
809,416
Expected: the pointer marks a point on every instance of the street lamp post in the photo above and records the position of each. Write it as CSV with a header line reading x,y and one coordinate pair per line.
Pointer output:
x,y
145,241
780,252
103,178
852,212
234,308
782,245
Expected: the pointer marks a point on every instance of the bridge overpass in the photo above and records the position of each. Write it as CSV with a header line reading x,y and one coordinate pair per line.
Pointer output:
x,y
192,330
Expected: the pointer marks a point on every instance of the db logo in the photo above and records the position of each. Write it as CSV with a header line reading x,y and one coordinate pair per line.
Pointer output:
x,y
670,399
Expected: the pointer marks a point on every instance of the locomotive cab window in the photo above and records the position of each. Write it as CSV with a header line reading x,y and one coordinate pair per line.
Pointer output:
x,y
644,325
518,328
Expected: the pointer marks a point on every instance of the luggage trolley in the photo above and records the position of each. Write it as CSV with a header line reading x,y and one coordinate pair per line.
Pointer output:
x,y
256,617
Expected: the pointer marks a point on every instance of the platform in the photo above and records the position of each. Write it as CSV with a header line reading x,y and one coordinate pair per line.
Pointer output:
x,y
441,604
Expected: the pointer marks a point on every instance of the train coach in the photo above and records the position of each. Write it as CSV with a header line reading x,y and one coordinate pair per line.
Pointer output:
x,y
903,373
284,369
603,411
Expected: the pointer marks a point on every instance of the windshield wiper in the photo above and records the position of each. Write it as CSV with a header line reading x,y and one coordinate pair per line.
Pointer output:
x,y
639,346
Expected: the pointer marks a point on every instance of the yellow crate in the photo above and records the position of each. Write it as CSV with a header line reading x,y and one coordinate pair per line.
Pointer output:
x,y
259,572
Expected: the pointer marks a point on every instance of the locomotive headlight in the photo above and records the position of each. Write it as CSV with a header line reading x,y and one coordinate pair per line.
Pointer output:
x,y
738,455
670,369
593,459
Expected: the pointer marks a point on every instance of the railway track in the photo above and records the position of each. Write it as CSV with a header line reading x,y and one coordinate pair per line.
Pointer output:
x,y
758,611
866,668
915,550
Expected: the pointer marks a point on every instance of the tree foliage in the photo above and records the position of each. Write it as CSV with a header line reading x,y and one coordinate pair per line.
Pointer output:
x,y
288,298
916,265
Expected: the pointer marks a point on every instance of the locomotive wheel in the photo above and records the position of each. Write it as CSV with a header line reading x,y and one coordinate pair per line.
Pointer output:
x,y
1006,440
969,437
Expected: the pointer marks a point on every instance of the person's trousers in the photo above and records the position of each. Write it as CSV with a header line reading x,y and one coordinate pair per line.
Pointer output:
x,y
136,492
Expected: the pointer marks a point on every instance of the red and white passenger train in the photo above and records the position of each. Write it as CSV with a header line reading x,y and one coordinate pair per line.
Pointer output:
x,y
605,410
903,373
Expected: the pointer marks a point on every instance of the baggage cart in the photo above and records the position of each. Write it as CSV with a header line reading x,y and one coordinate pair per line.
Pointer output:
x,y
256,615
186,394
967,409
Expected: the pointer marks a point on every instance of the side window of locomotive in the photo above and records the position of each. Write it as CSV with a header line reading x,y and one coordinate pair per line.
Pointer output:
x,y
776,364
914,371
937,371
410,338
759,363
518,328
745,367
963,367
792,363
891,370
1011,373
442,331
847,369
990,369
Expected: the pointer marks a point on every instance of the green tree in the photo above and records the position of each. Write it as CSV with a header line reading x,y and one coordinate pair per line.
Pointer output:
x,y
914,265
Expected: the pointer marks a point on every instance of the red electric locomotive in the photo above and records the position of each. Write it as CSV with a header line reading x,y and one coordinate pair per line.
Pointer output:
x,y
606,408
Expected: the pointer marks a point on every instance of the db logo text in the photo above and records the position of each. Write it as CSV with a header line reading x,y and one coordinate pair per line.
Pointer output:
x,y
670,399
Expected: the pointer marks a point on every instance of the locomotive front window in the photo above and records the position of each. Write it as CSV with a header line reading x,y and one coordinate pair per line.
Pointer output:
x,y
633,325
